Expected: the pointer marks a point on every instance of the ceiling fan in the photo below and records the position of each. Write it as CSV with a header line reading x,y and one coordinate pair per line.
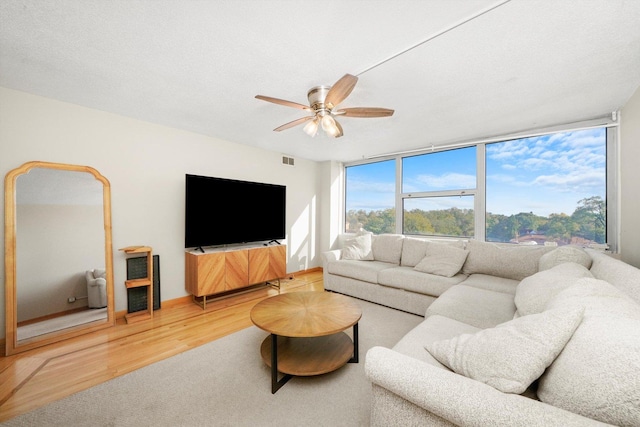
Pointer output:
x,y
323,101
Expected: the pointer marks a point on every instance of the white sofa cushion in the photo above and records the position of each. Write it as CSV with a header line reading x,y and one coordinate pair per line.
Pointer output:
x,y
564,254
597,373
512,355
387,247
422,283
358,248
477,307
365,271
492,283
534,292
432,329
442,259
599,296
620,274
515,262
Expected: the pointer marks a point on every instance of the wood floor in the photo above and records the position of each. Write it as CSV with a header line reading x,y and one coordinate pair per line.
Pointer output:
x,y
32,379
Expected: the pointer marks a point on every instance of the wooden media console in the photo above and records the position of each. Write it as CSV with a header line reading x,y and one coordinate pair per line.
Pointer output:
x,y
221,271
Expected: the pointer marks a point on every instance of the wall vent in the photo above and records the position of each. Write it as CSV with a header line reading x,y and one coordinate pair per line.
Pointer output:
x,y
288,161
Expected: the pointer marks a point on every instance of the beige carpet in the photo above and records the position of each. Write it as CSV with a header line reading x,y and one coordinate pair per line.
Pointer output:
x,y
226,383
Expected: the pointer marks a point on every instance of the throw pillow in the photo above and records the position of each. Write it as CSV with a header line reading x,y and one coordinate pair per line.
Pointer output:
x,y
413,250
534,292
442,259
511,262
564,254
512,355
358,248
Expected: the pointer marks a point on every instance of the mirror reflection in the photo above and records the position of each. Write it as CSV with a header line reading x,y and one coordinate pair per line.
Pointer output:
x,y
61,280
58,255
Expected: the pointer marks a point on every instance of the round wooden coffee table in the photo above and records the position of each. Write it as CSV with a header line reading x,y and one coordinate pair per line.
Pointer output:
x,y
307,335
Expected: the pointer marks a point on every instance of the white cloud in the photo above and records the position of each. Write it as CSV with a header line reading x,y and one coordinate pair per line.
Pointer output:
x,y
447,181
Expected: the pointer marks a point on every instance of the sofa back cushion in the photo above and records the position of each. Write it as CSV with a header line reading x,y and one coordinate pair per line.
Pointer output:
x,y
515,262
564,254
534,292
387,247
596,375
620,274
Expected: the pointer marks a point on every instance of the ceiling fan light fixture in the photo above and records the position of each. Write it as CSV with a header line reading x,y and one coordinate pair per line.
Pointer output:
x,y
311,128
329,126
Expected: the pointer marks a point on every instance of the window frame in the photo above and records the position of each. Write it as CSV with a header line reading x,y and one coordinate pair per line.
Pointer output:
x,y
479,193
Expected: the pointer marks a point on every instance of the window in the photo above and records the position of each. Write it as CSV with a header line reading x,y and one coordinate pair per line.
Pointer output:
x,y
438,192
553,189
370,197
548,189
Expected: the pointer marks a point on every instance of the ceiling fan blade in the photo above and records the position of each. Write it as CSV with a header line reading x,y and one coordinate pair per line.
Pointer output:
x,y
340,90
283,102
364,112
294,123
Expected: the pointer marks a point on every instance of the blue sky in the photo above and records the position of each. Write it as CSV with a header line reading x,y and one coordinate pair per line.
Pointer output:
x,y
544,175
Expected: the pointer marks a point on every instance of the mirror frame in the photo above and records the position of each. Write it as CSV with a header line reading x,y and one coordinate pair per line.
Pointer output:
x,y
12,345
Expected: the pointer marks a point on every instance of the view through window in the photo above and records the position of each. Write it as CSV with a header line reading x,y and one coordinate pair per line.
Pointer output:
x,y
549,189
438,191
370,197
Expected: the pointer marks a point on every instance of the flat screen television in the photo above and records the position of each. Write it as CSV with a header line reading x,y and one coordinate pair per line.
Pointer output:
x,y
220,211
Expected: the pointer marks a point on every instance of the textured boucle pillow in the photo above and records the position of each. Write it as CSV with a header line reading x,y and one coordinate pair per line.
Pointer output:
x,y
564,254
413,250
597,373
442,259
358,248
99,273
512,355
387,247
534,292
515,262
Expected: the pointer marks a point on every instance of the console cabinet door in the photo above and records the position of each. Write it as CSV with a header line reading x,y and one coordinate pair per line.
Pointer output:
x,y
205,273
237,269
277,262
259,265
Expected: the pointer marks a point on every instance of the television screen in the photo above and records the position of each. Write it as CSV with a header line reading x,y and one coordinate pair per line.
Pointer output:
x,y
221,211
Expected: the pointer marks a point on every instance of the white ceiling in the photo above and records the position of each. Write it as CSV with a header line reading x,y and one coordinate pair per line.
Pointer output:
x,y
479,68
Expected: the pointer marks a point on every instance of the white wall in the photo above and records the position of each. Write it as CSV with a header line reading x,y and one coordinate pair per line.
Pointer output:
x,y
332,203
630,181
146,164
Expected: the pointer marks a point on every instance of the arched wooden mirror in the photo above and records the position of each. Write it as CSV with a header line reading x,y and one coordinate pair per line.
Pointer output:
x,y
58,254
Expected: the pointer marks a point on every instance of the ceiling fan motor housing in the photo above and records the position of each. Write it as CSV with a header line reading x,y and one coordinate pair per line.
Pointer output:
x,y
316,97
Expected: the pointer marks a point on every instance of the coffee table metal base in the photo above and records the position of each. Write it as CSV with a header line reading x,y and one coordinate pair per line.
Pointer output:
x,y
307,356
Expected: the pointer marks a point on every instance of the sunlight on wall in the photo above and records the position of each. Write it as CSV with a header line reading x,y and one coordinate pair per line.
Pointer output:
x,y
302,239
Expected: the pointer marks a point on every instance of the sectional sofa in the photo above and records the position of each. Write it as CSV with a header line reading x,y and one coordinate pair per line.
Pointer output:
x,y
513,334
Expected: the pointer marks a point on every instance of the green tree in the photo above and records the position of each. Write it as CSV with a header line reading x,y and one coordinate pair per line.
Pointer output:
x,y
416,222
591,216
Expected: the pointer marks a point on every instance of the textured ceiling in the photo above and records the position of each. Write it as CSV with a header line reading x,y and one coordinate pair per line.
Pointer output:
x,y
452,70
